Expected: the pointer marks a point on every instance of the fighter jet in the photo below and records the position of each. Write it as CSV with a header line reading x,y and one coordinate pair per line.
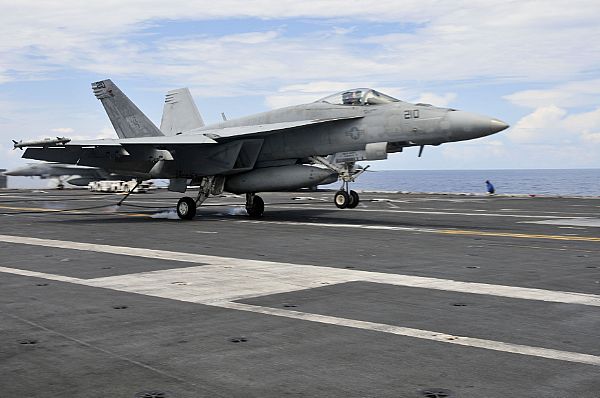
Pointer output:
x,y
79,175
282,149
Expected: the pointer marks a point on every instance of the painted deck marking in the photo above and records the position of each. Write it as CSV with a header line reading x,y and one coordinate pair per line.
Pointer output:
x,y
425,334
217,294
433,230
223,269
578,222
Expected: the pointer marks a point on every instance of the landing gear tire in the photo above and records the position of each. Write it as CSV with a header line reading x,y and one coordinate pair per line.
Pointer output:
x,y
341,199
257,207
354,200
186,208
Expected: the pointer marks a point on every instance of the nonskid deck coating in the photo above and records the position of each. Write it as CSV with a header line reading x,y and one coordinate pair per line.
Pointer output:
x,y
282,353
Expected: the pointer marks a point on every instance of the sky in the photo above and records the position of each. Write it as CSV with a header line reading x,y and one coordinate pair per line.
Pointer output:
x,y
532,64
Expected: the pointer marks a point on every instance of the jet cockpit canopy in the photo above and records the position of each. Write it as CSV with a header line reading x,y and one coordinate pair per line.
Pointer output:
x,y
359,96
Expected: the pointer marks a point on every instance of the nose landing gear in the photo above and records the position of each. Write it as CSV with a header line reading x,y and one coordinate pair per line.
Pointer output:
x,y
345,198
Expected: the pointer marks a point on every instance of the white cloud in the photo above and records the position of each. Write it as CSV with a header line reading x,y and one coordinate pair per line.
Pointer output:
x,y
487,151
321,87
62,130
558,125
302,93
433,45
568,95
554,125
106,132
282,100
436,99
542,125
516,41
592,138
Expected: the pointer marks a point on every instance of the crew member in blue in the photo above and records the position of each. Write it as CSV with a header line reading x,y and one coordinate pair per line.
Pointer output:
x,y
490,187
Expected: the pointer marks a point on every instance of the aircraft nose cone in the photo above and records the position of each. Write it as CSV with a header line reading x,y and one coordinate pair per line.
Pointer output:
x,y
497,126
466,125
9,172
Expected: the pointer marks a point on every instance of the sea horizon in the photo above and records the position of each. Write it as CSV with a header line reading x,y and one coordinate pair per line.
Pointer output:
x,y
565,182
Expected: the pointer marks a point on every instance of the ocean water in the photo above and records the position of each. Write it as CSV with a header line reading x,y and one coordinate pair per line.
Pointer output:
x,y
576,182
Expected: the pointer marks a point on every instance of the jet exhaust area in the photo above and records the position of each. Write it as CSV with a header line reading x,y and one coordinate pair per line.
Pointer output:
x,y
406,295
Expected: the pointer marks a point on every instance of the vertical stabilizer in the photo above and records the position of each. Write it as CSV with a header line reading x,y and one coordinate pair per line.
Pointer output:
x,y
180,113
126,118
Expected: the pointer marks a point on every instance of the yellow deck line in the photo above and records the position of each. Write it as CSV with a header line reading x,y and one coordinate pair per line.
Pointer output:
x,y
430,230
518,235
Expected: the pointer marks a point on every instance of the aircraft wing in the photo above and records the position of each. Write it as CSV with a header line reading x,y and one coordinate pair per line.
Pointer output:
x,y
194,137
228,132
206,151
191,139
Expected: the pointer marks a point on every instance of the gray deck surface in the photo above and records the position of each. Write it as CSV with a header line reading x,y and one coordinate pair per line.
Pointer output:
x,y
319,302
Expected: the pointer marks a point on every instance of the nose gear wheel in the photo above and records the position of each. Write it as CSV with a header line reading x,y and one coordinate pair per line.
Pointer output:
x,y
354,200
341,199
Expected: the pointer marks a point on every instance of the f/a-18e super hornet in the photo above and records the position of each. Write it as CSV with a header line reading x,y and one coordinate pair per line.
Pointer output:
x,y
279,150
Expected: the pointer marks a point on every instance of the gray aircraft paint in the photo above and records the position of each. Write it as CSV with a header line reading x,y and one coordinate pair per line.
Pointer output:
x,y
56,170
271,139
180,113
125,117
48,170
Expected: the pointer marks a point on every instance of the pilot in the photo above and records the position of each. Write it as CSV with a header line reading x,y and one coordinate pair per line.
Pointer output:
x,y
351,97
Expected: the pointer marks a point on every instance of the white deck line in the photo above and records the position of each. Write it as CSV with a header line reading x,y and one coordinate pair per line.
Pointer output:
x,y
424,334
302,276
218,285
223,280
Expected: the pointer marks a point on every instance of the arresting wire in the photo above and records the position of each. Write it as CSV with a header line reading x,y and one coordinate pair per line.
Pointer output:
x,y
75,210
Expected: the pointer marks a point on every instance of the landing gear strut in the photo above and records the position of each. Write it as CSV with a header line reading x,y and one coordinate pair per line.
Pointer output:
x,y
255,206
61,184
348,172
186,207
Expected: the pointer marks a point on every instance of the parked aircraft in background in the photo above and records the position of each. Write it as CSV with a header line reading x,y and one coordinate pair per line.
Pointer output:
x,y
71,174
283,149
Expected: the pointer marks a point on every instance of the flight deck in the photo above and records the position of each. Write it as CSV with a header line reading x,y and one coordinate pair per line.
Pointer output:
x,y
408,295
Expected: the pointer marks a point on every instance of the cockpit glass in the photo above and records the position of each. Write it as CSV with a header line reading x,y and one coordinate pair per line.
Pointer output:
x,y
359,97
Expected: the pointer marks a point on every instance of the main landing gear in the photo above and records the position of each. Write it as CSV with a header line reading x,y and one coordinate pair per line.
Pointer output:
x,y
186,207
61,183
345,198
